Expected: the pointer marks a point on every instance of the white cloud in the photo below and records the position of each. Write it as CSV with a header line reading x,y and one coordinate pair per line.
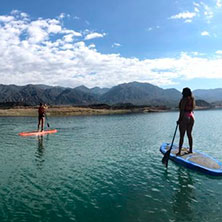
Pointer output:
x,y
6,18
196,53
201,10
28,54
24,15
184,15
219,52
149,29
94,35
219,3
71,32
207,12
62,15
87,22
68,38
196,10
116,45
37,31
92,46
15,12
196,4
205,33
152,28
54,26
188,21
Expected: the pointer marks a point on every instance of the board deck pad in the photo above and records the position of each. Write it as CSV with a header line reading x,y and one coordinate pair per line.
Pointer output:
x,y
38,133
196,160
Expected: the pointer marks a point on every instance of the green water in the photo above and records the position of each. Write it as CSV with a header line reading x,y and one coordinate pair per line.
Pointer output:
x,y
106,168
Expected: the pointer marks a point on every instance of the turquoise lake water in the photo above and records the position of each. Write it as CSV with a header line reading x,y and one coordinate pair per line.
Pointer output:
x,y
106,168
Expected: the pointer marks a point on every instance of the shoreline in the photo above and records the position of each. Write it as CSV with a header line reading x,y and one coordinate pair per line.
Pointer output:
x,y
75,111
32,111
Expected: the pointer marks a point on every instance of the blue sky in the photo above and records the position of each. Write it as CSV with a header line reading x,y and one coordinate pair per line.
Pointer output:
x,y
105,43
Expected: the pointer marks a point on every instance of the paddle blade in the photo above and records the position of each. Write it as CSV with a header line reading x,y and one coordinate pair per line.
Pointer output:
x,y
166,158
48,124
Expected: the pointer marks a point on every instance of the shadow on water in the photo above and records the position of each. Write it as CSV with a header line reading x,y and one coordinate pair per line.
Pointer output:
x,y
184,196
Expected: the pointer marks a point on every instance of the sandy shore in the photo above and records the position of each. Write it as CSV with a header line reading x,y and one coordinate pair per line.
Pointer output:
x,y
71,111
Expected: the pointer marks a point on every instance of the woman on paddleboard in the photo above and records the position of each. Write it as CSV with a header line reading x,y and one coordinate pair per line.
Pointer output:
x,y
186,118
41,119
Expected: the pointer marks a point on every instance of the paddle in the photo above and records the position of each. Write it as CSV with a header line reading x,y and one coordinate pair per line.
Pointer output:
x,y
47,120
167,154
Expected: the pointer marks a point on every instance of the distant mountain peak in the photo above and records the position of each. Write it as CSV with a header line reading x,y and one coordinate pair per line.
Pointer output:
x,y
82,87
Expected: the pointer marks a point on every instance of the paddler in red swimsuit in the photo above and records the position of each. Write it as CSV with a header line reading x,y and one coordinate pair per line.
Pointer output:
x,y
186,118
41,112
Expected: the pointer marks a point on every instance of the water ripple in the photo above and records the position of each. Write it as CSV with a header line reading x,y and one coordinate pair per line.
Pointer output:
x,y
104,168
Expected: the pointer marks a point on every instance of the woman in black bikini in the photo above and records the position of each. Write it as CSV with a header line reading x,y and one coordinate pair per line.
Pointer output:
x,y
41,112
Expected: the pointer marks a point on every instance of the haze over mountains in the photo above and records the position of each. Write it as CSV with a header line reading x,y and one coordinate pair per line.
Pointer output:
x,y
134,92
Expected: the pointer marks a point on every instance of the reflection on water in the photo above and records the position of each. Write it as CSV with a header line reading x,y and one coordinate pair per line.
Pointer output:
x,y
184,196
40,151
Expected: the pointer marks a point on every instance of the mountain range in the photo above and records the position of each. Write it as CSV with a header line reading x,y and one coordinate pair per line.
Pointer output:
x,y
132,93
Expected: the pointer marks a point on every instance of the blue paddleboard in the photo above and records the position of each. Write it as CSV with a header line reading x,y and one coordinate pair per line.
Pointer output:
x,y
196,160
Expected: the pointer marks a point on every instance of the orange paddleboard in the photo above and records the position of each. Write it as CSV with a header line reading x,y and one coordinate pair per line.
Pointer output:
x,y
37,133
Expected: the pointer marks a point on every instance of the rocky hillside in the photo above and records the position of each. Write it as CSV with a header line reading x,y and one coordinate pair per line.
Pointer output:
x,y
134,93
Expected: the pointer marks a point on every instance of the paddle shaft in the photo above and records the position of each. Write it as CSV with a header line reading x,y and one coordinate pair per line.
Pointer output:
x,y
167,154
174,135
